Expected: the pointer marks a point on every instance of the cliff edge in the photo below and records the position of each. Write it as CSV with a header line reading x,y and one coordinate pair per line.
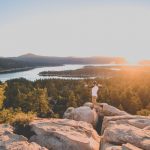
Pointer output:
x,y
103,127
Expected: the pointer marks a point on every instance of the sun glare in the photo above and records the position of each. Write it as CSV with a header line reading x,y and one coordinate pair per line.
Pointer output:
x,y
132,60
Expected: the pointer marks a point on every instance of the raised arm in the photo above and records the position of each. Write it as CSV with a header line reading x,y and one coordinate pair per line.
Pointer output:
x,y
88,86
100,85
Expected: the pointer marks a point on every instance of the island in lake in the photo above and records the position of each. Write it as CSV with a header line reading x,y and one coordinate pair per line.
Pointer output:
x,y
99,71
30,61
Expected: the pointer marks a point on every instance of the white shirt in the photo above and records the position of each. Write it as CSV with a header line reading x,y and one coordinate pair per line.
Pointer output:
x,y
94,90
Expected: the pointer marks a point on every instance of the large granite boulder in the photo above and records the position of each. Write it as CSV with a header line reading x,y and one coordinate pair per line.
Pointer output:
x,y
126,129
121,133
119,130
140,122
88,104
104,109
90,115
65,134
147,128
11,141
129,146
108,146
136,121
83,113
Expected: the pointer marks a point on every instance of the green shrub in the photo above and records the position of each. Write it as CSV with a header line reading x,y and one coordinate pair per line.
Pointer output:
x,y
55,115
144,112
6,115
22,118
16,116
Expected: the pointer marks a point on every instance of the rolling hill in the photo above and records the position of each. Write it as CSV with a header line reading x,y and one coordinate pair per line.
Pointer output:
x,y
7,63
31,60
47,60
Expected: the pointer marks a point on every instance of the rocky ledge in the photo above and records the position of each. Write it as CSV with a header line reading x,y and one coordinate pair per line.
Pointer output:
x,y
11,141
117,129
65,134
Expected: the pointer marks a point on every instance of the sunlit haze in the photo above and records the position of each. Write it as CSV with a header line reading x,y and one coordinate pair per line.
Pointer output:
x,y
76,28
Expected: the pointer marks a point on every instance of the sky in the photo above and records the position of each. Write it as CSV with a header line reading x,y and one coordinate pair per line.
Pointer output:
x,y
76,28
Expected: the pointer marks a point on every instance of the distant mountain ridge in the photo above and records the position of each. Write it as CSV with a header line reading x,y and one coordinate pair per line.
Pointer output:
x,y
48,60
7,63
31,60
28,55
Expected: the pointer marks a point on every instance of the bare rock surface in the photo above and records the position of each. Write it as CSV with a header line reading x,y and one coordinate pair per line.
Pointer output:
x,y
129,146
123,133
88,104
11,141
136,121
108,110
119,131
83,113
65,134
147,128
5,128
140,122
108,146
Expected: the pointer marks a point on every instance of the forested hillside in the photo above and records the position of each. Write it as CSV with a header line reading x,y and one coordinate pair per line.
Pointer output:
x,y
30,60
6,64
99,71
129,92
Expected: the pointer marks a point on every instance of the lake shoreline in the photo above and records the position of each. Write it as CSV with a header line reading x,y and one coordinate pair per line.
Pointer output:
x,y
96,71
31,73
30,68
66,71
16,70
85,72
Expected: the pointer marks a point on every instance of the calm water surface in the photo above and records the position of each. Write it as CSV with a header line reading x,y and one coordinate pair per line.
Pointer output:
x,y
33,74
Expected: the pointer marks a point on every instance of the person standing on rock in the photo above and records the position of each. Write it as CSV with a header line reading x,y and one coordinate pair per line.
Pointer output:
x,y
94,92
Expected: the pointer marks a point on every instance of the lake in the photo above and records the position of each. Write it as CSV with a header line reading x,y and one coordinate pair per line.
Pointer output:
x,y
32,75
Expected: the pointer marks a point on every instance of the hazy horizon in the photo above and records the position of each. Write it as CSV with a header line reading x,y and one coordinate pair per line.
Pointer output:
x,y
24,54
80,28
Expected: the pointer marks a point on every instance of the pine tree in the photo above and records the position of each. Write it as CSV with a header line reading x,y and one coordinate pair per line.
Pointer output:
x,y
72,100
42,98
2,97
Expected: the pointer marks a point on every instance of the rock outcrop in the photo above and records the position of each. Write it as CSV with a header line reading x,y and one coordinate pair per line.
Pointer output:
x,y
133,120
129,146
107,110
119,131
122,131
65,134
89,115
11,141
83,113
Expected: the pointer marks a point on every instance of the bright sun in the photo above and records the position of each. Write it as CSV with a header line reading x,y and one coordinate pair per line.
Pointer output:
x,y
133,60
